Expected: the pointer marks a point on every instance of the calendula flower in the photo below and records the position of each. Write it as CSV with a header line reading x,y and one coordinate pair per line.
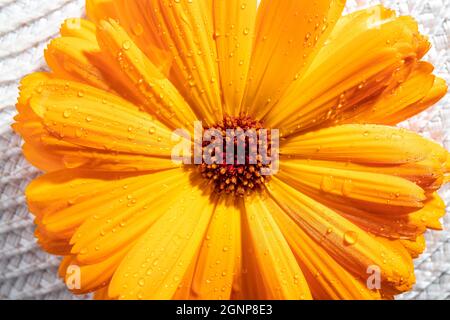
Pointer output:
x,y
342,219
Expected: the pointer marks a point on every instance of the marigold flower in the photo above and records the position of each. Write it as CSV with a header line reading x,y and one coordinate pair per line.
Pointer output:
x,y
353,191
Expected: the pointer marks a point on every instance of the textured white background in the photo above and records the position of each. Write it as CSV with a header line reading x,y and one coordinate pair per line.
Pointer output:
x,y
26,26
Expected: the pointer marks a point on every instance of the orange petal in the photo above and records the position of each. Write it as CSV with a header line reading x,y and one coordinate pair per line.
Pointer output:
x,y
102,294
351,69
68,58
132,16
128,215
53,135
420,91
362,189
352,247
326,278
288,36
234,22
98,10
430,215
273,258
92,118
162,256
154,91
216,265
93,276
372,144
57,244
415,247
77,56
184,291
63,200
186,29
403,226
79,28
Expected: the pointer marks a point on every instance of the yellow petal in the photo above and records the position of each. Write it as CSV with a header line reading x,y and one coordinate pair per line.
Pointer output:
x,y
415,247
249,284
128,215
273,258
430,215
156,265
406,225
288,36
132,16
428,173
79,28
184,291
372,144
62,201
387,221
234,23
58,190
362,189
420,91
155,92
57,244
216,264
29,126
351,69
93,276
77,56
49,153
92,118
352,247
186,29
326,278
68,58
98,10
102,294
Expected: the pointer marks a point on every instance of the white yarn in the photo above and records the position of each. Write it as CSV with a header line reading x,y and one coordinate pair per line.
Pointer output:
x,y
35,31
22,50
26,26
22,12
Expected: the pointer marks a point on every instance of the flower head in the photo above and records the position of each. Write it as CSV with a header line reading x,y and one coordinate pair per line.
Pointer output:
x,y
353,193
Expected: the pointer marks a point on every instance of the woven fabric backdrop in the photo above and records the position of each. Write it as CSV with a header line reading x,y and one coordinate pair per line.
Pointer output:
x,y
26,26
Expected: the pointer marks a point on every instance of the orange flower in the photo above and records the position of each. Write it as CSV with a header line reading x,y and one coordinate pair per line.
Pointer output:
x,y
354,193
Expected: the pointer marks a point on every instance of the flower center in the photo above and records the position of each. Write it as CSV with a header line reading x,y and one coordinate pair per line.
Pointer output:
x,y
235,155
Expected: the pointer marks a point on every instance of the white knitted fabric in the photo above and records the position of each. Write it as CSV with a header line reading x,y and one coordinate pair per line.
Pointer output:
x,y
26,26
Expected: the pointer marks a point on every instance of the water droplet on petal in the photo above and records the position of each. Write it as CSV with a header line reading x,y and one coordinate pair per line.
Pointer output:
x,y
347,188
67,114
126,45
350,238
327,184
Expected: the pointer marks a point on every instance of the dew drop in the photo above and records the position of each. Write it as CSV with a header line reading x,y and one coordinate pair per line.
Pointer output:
x,y
350,238
347,188
126,45
327,184
67,114
138,29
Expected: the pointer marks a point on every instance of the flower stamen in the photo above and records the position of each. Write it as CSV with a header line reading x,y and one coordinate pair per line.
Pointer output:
x,y
242,175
